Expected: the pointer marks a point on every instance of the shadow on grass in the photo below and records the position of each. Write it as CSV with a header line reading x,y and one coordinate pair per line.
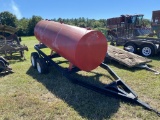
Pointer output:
x,y
87,103
2,74
14,59
155,57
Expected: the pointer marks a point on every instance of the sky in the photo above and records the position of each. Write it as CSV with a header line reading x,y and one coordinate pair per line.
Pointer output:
x,y
92,9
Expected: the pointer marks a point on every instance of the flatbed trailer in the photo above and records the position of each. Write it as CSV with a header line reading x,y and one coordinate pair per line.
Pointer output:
x,y
128,59
145,46
116,89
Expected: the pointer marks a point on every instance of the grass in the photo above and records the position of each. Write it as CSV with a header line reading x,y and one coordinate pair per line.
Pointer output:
x,y
26,95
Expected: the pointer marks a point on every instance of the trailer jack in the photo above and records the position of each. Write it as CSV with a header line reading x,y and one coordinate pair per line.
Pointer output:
x,y
115,89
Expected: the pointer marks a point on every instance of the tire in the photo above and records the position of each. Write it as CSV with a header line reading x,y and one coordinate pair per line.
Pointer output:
x,y
34,57
22,53
147,50
112,43
158,35
42,67
2,66
132,47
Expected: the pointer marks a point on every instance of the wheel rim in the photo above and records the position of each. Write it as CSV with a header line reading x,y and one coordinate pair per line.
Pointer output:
x,y
38,68
33,62
131,48
146,51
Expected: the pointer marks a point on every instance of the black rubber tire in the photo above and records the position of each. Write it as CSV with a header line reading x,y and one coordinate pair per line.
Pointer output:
x,y
147,50
2,66
158,35
34,57
42,67
132,46
21,53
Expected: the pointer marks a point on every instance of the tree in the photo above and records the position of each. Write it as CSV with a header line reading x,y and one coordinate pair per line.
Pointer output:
x,y
75,22
103,22
97,24
32,23
147,22
22,27
82,24
7,18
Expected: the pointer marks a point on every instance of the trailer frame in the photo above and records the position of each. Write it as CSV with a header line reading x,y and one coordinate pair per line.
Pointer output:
x,y
115,89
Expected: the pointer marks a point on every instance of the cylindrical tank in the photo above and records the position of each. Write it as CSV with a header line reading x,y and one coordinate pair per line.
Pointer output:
x,y
84,48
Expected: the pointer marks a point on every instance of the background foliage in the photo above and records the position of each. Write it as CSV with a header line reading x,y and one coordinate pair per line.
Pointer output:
x,y
26,25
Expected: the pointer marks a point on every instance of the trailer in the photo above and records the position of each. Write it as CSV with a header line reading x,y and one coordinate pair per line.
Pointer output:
x,y
125,31
10,43
145,46
128,59
117,88
52,35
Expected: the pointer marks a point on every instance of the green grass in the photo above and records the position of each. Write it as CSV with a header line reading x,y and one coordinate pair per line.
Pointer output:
x,y
26,95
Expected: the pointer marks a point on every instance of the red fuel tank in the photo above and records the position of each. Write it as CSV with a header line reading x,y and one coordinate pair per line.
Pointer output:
x,y
84,48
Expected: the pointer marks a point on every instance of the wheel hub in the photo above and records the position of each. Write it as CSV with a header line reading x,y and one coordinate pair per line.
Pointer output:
x,y
146,51
131,49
